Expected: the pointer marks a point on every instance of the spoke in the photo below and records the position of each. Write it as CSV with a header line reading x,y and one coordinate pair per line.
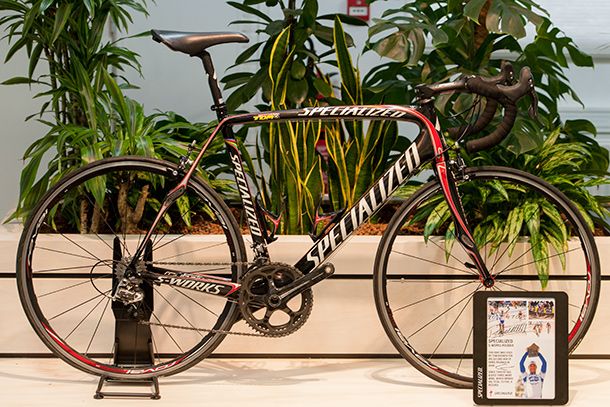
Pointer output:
x,y
112,230
498,258
87,267
531,248
72,286
464,350
166,331
464,271
440,315
507,269
452,325
86,316
455,237
513,286
79,305
435,295
94,258
187,253
96,328
181,292
178,312
158,237
514,240
452,255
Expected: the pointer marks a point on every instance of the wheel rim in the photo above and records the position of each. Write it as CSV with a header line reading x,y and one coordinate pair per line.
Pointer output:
x,y
428,313
66,276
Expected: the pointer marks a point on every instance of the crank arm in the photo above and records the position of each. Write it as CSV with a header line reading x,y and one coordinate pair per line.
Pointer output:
x,y
286,293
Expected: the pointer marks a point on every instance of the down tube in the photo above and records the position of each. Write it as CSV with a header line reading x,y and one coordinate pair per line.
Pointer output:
x,y
406,166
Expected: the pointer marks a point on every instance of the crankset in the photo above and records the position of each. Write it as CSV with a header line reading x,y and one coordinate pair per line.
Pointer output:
x,y
276,299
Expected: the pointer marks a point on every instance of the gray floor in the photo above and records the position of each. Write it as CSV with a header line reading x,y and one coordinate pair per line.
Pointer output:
x,y
264,382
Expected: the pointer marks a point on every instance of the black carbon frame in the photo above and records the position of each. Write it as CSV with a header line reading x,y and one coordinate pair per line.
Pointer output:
x,y
428,146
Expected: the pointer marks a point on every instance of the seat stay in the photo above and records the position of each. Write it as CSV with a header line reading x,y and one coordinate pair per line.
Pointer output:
x,y
194,43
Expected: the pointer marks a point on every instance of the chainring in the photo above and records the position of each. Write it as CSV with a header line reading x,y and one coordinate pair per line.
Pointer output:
x,y
259,286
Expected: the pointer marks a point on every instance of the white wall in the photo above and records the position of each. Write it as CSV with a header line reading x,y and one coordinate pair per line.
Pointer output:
x,y
176,82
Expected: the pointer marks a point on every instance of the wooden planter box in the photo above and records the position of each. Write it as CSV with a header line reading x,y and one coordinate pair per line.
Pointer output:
x,y
343,322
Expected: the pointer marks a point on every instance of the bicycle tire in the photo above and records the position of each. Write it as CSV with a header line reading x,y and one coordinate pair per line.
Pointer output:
x,y
427,313
70,248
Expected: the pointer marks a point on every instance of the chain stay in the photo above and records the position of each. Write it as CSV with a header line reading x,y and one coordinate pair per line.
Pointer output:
x,y
189,328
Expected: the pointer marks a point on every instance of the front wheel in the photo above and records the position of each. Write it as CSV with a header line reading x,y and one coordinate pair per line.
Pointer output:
x,y
78,246
530,236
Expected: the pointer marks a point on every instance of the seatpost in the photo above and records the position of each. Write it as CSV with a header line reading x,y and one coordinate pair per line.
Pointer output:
x,y
219,105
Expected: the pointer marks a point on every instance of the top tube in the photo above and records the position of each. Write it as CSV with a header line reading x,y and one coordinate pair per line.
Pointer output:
x,y
361,112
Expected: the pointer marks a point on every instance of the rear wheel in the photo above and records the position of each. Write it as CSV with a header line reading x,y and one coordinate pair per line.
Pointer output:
x,y
528,233
80,240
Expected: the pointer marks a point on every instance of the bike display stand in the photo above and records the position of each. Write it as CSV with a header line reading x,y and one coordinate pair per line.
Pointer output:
x,y
153,383
133,340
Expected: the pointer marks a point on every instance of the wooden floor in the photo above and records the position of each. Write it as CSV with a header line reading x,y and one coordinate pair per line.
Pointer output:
x,y
273,382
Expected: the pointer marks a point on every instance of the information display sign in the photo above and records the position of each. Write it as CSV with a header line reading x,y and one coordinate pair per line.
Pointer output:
x,y
520,348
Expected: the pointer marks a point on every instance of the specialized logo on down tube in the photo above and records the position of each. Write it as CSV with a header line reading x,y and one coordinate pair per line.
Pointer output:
x,y
366,205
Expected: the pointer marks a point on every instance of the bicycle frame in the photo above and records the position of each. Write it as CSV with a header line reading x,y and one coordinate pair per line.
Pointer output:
x,y
428,146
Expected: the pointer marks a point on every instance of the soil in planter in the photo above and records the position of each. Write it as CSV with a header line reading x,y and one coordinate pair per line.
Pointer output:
x,y
201,225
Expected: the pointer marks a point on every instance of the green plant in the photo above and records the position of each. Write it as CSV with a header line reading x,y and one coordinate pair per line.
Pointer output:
x,y
503,213
302,80
357,156
288,76
69,37
295,164
566,159
123,128
473,37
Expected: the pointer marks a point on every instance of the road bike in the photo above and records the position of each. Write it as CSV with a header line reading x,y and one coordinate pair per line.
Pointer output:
x,y
117,278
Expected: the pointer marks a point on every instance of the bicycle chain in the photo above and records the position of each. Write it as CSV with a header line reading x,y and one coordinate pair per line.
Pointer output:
x,y
213,331
187,263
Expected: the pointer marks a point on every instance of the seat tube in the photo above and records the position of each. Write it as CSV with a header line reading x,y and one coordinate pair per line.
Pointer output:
x,y
255,222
